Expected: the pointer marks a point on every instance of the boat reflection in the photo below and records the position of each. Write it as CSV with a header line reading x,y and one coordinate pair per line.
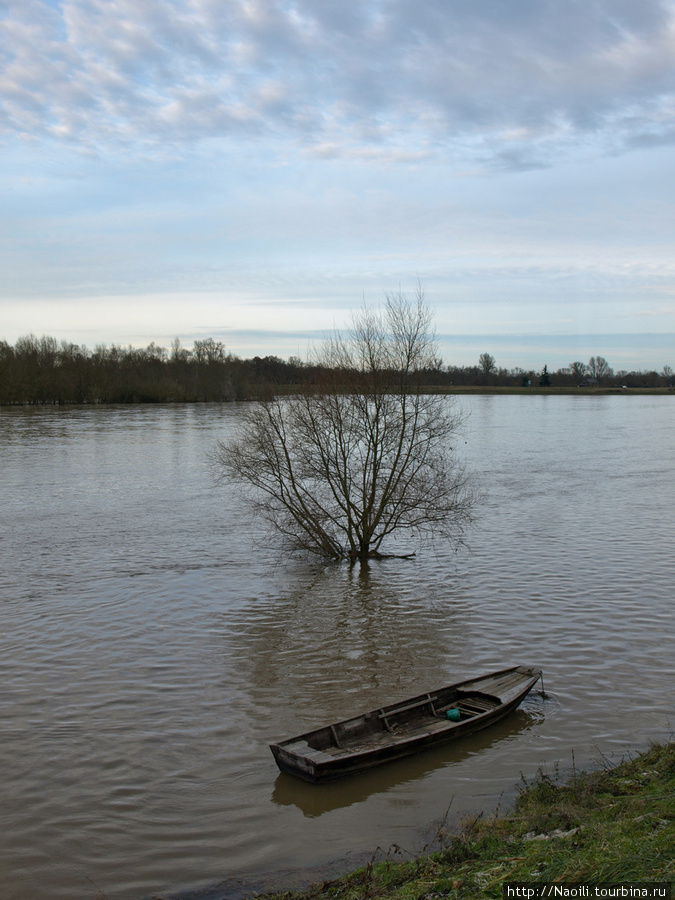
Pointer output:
x,y
315,800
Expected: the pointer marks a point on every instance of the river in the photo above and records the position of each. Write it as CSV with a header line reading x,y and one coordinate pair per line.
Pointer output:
x,y
153,641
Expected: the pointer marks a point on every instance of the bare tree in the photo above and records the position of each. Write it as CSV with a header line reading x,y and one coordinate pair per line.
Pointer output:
x,y
487,364
340,467
578,369
599,368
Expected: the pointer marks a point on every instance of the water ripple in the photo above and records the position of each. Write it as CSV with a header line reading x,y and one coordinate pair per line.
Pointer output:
x,y
151,646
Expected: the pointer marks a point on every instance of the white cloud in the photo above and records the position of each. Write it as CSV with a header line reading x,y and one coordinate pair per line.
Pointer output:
x,y
460,77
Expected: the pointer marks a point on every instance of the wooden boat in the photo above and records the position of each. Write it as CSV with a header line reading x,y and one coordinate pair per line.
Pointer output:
x,y
402,729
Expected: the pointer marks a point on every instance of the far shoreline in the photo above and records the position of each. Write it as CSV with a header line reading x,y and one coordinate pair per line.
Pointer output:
x,y
448,390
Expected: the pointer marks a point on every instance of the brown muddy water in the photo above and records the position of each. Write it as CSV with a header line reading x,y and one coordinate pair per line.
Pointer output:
x,y
152,641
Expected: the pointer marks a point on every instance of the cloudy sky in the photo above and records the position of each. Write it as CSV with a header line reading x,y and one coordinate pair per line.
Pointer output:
x,y
252,170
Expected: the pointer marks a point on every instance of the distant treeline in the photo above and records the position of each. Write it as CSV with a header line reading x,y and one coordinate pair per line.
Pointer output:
x,y
44,371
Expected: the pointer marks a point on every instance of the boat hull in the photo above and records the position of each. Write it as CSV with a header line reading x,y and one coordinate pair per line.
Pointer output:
x,y
400,730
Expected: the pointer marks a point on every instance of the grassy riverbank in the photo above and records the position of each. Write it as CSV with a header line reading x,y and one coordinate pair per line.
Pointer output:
x,y
612,825
551,390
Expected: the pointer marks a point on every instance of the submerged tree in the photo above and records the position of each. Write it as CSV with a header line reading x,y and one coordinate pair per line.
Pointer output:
x,y
361,454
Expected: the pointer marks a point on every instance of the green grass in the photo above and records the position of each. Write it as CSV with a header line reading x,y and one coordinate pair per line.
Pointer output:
x,y
613,825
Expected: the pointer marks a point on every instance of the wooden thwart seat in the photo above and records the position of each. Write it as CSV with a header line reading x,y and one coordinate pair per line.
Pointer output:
x,y
424,701
478,703
473,706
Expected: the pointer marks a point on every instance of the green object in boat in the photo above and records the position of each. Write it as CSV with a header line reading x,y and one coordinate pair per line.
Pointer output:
x,y
453,715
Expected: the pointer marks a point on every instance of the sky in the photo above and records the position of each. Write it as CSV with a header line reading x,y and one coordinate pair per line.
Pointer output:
x,y
256,170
